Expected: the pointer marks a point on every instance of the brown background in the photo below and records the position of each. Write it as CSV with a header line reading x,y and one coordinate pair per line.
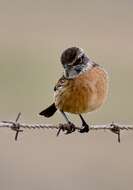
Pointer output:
x,y
32,37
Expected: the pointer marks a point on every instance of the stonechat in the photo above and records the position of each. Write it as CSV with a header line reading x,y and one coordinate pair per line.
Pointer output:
x,y
82,88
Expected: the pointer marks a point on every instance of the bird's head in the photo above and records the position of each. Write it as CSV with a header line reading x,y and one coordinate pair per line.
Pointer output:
x,y
74,61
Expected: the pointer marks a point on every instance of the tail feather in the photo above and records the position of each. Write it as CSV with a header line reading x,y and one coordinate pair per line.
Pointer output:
x,y
48,112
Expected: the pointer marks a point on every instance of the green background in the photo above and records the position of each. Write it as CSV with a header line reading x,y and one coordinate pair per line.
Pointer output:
x,y
32,36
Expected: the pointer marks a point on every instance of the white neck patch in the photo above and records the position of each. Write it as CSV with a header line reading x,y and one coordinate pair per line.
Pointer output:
x,y
73,73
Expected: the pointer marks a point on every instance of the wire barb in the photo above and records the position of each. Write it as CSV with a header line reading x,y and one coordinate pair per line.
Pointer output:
x,y
116,130
17,127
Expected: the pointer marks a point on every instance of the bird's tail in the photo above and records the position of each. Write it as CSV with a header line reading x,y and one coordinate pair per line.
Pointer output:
x,y
48,112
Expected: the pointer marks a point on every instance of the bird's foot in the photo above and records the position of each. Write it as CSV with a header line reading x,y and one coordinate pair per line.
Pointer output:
x,y
68,127
85,128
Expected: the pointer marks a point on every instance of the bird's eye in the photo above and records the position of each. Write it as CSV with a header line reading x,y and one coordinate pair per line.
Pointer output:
x,y
78,61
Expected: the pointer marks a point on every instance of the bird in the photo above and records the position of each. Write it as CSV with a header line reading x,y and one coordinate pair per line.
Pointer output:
x,y
82,88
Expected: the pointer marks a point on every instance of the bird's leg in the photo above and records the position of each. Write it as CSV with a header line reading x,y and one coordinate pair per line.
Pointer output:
x,y
71,126
85,128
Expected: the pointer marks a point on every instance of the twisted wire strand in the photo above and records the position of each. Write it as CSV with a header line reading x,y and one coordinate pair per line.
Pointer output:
x,y
10,124
18,127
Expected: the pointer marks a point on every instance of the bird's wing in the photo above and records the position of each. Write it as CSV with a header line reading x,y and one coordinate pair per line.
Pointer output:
x,y
61,82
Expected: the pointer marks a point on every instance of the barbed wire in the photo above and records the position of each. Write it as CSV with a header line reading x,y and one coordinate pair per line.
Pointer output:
x,y
19,127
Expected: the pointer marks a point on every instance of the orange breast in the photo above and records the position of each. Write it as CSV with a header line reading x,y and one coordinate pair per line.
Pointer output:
x,y
84,93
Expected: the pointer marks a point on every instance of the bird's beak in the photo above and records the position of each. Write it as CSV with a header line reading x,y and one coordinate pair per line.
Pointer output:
x,y
65,66
66,73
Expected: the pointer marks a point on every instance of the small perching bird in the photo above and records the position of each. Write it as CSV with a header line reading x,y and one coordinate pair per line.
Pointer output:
x,y
82,88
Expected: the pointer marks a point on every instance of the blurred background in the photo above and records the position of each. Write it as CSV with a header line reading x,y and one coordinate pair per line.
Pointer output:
x,y
33,33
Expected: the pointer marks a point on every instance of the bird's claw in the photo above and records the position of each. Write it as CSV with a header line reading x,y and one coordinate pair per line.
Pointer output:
x,y
69,128
85,128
